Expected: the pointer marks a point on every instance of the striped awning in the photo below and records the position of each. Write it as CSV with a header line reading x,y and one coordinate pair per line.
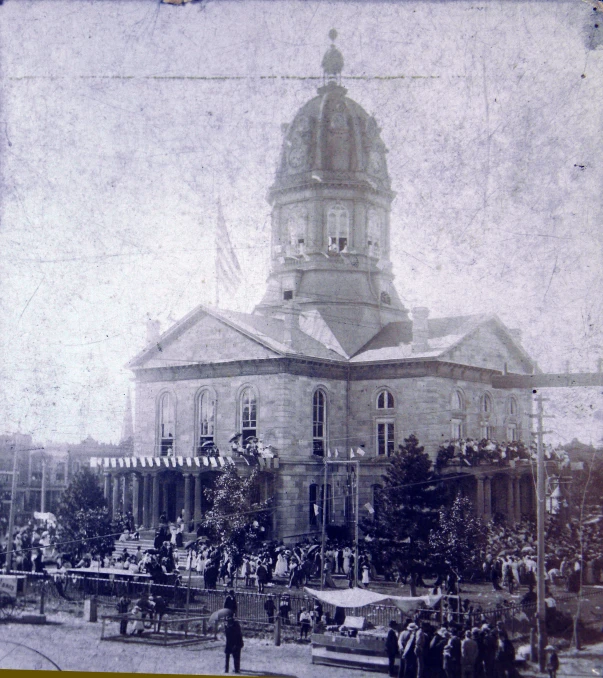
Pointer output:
x,y
163,462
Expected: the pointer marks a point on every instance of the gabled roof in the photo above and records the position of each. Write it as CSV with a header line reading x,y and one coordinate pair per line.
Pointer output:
x,y
264,330
394,341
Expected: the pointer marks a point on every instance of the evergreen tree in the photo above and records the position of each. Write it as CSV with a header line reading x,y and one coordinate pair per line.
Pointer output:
x,y
460,538
83,519
407,509
238,520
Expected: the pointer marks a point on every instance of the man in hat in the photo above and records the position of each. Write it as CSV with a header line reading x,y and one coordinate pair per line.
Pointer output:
x,y
270,608
230,602
434,665
234,644
408,658
391,646
552,664
469,653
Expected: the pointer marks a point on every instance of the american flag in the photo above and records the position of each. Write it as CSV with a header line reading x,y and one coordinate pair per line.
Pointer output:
x,y
228,271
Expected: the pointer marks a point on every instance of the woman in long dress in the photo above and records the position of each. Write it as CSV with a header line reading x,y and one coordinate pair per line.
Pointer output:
x,y
282,567
346,560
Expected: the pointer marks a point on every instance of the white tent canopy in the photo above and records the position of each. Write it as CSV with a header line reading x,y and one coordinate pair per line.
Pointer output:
x,y
357,597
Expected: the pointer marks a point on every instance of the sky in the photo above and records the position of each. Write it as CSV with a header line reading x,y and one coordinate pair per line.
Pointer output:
x,y
123,123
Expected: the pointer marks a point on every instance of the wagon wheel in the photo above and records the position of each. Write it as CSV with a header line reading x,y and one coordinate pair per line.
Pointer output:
x,y
7,606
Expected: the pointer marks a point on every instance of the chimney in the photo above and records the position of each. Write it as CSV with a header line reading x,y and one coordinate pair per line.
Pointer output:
x,y
153,331
291,313
420,329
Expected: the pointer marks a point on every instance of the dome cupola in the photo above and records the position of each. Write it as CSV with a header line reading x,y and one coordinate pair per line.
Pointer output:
x,y
331,202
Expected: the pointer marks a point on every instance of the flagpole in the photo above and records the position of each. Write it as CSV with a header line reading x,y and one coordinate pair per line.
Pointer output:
x,y
324,526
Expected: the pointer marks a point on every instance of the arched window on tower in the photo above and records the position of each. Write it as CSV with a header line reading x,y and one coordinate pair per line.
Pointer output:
x,y
206,416
338,226
166,425
374,234
385,400
319,422
297,226
249,415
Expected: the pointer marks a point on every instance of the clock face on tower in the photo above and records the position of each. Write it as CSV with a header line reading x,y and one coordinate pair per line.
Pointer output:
x,y
297,157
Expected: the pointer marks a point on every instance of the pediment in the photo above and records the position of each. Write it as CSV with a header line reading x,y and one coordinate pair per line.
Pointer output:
x,y
202,339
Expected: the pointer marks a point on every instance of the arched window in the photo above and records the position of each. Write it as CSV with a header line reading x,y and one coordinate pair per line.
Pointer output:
x,y
297,233
457,421
487,428
385,400
249,416
512,406
313,507
457,402
374,234
166,424
487,403
206,417
319,422
338,229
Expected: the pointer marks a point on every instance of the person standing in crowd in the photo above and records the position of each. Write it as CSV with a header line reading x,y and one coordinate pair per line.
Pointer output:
x,y
234,644
285,608
160,610
391,647
230,602
262,576
452,656
408,656
270,608
123,605
505,655
469,653
305,623
421,643
434,667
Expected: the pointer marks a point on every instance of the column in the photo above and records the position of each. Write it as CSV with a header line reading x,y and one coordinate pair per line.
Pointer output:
x,y
107,487
480,496
488,498
125,494
115,506
518,499
146,491
187,501
197,505
155,500
136,499
510,498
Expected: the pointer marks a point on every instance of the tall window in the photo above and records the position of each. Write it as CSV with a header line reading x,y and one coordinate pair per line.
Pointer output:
x,y
457,401
487,403
512,436
386,438
313,504
456,429
249,415
338,228
512,406
385,400
166,425
297,233
319,422
206,408
374,234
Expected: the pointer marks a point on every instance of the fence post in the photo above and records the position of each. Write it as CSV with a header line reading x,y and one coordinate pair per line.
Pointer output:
x,y
277,631
42,593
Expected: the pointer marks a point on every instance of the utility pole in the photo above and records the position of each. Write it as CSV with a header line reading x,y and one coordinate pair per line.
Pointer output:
x,y
11,515
540,525
356,514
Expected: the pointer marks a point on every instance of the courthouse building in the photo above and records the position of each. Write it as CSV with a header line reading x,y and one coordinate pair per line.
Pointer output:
x,y
330,362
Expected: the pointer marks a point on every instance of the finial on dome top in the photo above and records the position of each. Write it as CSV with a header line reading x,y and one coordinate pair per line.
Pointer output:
x,y
332,62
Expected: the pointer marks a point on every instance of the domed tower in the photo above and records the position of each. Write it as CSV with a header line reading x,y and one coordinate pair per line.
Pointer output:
x,y
331,204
